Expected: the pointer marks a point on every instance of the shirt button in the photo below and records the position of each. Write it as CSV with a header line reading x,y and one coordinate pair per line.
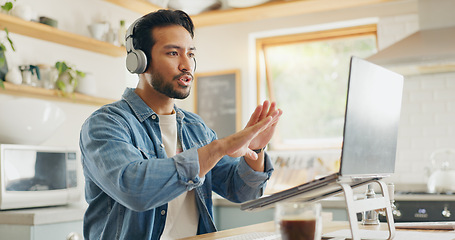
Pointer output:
x,y
162,145
190,182
163,212
153,117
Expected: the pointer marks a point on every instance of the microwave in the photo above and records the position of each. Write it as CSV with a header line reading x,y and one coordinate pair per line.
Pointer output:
x,y
38,176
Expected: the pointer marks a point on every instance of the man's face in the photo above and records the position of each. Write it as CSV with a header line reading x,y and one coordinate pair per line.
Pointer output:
x,y
172,63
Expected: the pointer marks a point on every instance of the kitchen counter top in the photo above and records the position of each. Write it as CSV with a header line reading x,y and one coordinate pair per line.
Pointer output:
x,y
424,197
328,226
260,227
45,215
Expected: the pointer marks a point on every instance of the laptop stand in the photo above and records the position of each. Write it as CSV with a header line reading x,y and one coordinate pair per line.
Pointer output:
x,y
362,205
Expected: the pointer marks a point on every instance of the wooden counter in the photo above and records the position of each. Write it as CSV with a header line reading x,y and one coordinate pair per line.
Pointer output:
x,y
270,227
328,226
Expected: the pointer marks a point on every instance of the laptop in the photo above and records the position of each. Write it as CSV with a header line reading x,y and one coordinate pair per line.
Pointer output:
x,y
370,133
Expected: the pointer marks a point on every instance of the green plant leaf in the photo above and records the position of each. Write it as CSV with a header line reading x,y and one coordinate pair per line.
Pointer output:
x,y
72,75
61,85
9,39
61,67
1,84
58,65
2,46
80,74
2,59
7,6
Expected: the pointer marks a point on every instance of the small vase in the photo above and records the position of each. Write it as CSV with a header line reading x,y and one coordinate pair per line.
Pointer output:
x,y
14,76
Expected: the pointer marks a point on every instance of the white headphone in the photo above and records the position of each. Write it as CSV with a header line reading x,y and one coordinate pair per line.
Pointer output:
x,y
136,60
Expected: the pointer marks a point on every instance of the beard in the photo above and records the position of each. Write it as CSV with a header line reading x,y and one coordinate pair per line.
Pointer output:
x,y
167,88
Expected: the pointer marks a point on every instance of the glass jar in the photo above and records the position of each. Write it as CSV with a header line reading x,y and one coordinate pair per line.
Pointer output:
x,y
49,75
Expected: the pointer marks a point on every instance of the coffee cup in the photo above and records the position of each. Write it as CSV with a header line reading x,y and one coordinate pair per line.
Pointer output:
x,y
299,220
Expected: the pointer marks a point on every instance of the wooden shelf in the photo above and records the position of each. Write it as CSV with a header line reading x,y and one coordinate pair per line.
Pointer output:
x,y
51,34
274,9
54,95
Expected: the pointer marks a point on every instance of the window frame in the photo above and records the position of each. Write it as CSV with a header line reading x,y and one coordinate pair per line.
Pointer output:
x,y
261,67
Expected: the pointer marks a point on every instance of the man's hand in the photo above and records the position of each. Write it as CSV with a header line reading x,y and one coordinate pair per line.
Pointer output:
x,y
263,111
237,145
259,129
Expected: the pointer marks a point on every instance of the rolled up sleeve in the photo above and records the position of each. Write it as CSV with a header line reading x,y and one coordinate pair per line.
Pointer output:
x,y
253,178
187,165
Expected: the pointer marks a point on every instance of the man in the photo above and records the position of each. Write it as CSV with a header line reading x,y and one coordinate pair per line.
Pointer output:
x,y
150,167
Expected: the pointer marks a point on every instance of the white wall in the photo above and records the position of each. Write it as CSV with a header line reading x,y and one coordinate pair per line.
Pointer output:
x,y
427,124
110,72
226,47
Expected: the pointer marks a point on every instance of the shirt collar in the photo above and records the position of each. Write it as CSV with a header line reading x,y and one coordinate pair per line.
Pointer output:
x,y
140,108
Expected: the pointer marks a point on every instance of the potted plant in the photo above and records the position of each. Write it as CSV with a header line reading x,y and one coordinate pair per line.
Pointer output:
x,y
3,66
68,77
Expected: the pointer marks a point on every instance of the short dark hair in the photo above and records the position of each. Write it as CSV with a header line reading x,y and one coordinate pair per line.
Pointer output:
x,y
142,33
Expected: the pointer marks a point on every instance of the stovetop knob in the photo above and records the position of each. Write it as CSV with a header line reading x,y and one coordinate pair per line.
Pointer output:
x,y
446,212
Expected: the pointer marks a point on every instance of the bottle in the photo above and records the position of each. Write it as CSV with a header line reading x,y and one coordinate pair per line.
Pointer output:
x,y
370,217
121,33
391,190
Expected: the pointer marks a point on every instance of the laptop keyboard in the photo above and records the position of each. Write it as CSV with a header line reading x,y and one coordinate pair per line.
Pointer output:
x,y
255,236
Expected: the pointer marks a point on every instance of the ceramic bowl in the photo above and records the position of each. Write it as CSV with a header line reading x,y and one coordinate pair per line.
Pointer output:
x,y
160,3
244,4
194,7
28,121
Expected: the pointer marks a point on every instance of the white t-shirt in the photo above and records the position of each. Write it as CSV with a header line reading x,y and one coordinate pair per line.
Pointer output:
x,y
182,215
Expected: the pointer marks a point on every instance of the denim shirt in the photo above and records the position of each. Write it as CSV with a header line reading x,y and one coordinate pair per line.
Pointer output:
x,y
129,179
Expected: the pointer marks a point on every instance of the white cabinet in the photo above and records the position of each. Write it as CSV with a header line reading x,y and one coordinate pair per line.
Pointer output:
x,y
55,231
51,223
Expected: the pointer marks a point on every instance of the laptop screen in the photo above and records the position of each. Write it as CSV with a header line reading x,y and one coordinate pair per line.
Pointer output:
x,y
371,122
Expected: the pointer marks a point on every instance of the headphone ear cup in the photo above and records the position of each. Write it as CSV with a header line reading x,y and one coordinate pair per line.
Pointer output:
x,y
136,61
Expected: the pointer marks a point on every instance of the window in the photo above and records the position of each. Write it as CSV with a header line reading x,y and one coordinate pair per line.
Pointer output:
x,y
306,74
